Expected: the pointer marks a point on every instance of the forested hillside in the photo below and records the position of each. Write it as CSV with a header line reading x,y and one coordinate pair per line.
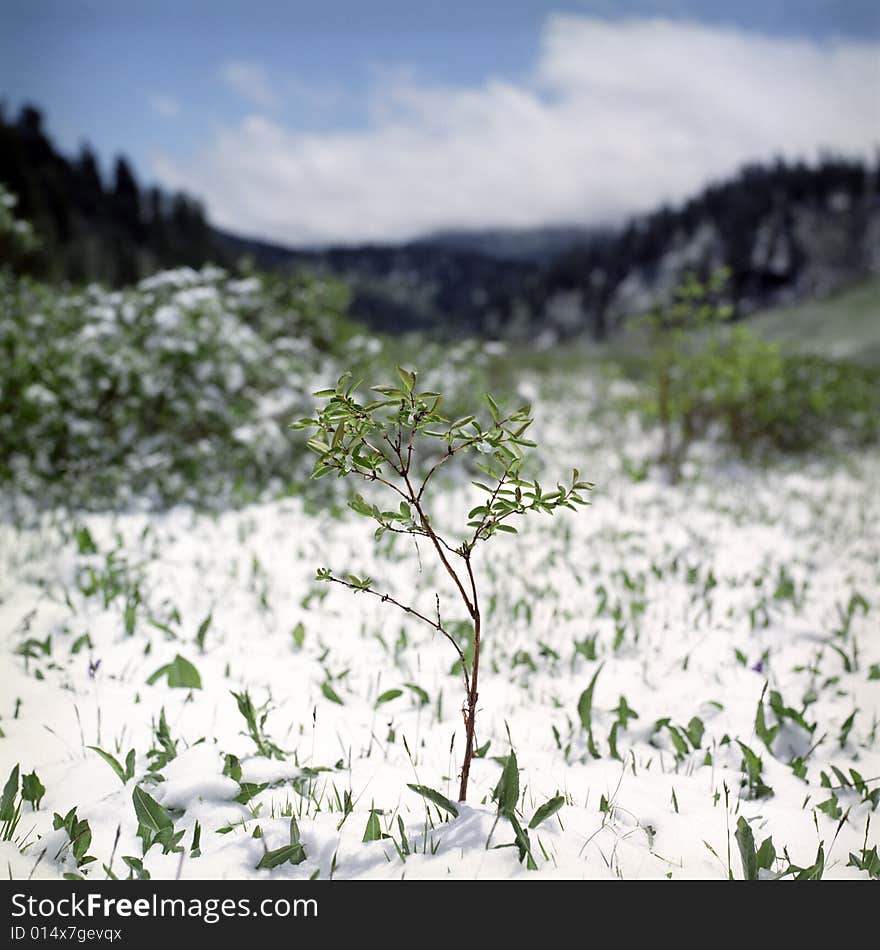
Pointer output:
x,y
91,226
784,232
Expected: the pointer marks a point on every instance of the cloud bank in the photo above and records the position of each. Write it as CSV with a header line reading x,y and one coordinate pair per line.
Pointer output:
x,y
616,118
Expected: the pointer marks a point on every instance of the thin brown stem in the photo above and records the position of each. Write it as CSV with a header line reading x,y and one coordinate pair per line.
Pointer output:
x,y
438,546
472,693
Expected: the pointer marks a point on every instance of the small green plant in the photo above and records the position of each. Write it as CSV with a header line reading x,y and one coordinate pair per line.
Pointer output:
x,y
678,344
585,712
293,853
180,673
865,860
752,778
684,739
256,722
155,823
754,859
868,861
79,836
32,790
163,751
506,794
707,374
400,440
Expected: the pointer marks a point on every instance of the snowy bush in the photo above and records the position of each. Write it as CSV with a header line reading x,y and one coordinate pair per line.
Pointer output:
x,y
175,389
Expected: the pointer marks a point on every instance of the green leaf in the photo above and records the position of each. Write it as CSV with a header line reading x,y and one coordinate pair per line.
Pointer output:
x,y
131,615
195,850
815,871
388,695
294,853
681,747
695,731
203,629
493,407
232,766
462,422
507,790
360,583
408,379
373,831
766,855
32,789
180,672
7,800
299,634
746,842
441,801
547,810
831,807
524,846
585,711
331,693
112,762
84,541
302,424
318,446
136,865
82,641
764,732
422,694
150,814
249,790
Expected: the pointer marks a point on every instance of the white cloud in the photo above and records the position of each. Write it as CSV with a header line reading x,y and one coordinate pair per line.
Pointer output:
x,y
251,82
165,106
616,118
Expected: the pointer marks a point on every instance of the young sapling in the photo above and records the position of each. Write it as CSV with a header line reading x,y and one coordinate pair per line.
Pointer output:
x,y
399,440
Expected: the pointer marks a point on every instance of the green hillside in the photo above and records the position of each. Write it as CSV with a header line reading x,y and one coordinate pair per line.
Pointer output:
x,y
844,326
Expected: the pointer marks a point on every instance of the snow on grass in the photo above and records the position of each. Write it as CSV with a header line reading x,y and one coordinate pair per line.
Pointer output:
x,y
691,606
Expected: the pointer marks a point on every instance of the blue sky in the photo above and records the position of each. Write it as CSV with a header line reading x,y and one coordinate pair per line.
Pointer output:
x,y
175,85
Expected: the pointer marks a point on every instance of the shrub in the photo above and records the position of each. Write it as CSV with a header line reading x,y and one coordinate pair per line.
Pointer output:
x,y
400,440
708,376
176,389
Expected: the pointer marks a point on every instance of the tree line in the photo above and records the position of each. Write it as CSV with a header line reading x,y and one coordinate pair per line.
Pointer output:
x,y
91,229
782,230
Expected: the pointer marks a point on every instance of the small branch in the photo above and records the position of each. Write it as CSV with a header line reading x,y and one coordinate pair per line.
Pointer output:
x,y
447,454
452,451
373,448
370,476
470,571
415,530
438,626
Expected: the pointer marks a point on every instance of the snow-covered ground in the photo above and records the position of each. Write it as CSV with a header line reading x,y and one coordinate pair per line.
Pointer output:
x,y
689,605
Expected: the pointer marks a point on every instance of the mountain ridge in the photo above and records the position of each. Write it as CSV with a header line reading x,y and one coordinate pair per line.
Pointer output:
x,y
784,231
